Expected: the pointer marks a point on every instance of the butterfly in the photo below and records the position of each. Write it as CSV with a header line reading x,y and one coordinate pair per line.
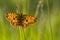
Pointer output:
x,y
17,19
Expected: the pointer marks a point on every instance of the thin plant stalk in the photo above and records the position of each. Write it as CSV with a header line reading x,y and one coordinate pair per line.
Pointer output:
x,y
40,6
17,6
24,33
49,19
37,9
19,29
21,33
17,11
41,19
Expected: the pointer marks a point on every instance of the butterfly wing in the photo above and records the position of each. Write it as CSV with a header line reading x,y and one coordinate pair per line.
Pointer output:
x,y
28,20
12,17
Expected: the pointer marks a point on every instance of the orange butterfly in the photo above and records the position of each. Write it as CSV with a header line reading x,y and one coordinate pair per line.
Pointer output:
x,y
19,19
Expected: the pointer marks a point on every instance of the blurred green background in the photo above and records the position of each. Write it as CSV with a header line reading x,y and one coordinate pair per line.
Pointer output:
x,y
47,26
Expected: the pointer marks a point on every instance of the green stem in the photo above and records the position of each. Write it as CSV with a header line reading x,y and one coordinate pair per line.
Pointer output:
x,y
38,5
24,33
19,33
49,19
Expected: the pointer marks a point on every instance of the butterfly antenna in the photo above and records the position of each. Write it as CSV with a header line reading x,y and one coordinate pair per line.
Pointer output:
x,y
21,14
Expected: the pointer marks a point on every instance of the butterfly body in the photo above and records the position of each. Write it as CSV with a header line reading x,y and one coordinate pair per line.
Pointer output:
x,y
20,20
